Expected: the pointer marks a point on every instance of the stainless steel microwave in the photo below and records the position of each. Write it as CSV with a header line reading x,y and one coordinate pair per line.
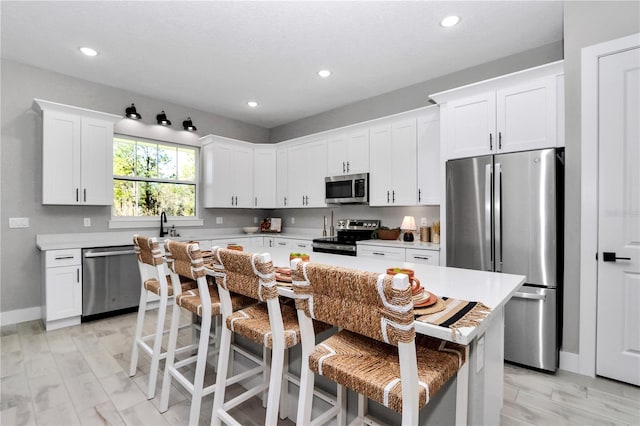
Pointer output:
x,y
347,189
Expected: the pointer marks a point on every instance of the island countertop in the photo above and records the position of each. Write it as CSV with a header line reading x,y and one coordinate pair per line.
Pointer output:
x,y
492,289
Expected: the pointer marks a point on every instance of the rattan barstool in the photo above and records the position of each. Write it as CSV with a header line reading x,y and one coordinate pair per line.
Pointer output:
x,y
186,261
268,323
153,279
376,353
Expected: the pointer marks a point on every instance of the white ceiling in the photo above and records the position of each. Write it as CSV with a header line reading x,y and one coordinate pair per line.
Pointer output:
x,y
216,56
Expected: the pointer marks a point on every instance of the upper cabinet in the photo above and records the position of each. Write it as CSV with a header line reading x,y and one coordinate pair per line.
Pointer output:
x,y
516,112
227,172
348,152
264,177
77,155
428,156
282,176
392,163
306,170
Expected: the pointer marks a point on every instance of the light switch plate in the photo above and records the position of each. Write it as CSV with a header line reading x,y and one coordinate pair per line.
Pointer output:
x,y
219,220
293,220
423,221
87,221
18,222
255,219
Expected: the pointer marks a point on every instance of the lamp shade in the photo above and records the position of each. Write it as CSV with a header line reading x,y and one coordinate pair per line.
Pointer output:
x,y
131,112
188,125
408,223
162,119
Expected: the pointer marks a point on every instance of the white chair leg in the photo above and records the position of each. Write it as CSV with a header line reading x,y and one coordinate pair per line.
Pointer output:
x,y
201,364
305,398
275,385
266,373
142,307
221,376
462,391
171,354
341,398
284,390
157,348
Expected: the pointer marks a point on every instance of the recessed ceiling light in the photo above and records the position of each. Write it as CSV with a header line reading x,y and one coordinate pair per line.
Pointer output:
x,y
88,51
252,104
450,21
324,73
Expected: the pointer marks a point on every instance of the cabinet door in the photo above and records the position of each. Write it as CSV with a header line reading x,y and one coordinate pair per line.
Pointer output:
x,y
471,126
264,178
63,292
298,175
403,163
429,163
96,162
316,166
222,169
426,257
526,116
379,168
337,154
282,177
358,151
242,175
60,158
386,253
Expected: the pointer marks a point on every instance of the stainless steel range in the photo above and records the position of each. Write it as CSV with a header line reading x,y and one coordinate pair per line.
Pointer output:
x,y
349,231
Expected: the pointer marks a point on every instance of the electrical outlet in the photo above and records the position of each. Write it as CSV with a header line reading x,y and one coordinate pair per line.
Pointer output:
x,y
255,219
18,222
293,220
423,221
87,221
219,220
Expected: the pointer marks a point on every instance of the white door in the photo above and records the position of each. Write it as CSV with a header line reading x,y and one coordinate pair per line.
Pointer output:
x,y
358,151
429,169
264,178
337,153
404,191
379,160
282,177
222,176
316,168
61,158
96,163
471,126
297,169
618,314
243,177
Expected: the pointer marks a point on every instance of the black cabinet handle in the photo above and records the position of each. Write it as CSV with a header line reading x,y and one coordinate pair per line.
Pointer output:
x,y
490,142
387,197
610,256
499,140
393,193
77,194
419,195
85,194
348,166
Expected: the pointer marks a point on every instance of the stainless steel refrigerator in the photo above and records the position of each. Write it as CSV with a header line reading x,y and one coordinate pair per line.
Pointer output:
x,y
504,213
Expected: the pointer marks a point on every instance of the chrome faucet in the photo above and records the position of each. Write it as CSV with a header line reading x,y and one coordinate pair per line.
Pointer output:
x,y
163,218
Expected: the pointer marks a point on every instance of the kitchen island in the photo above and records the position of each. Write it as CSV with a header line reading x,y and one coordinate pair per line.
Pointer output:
x,y
485,341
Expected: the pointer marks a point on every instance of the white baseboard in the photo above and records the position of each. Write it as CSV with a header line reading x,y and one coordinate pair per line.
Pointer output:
x,y
20,315
570,362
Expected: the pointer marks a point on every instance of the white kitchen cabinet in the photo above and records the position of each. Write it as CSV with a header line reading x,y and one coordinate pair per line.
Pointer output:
x,y
392,150
428,157
282,177
63,288
256,241
427,257
77,155
348,152
306,170
513,118
227,170
387,253
224,242
264,177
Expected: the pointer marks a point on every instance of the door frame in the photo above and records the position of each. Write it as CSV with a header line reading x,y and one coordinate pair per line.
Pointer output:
x,y
589,197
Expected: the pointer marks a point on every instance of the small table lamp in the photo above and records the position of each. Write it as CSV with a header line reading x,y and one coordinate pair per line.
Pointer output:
x,y
408,225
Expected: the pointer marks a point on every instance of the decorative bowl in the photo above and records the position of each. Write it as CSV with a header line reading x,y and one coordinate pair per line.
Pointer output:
x,y
388,234
250,229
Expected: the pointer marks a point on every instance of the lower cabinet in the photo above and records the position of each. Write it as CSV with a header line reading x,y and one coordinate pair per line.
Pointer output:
x,y
63,288
390,253
427,257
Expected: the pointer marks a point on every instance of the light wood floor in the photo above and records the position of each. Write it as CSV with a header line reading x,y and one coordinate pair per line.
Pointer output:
x,y
78,376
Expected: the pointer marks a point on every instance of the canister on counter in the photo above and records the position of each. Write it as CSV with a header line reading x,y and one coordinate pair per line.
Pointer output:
x,y
425,234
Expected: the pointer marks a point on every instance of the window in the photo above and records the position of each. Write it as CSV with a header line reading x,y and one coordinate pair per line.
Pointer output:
x,y
150,177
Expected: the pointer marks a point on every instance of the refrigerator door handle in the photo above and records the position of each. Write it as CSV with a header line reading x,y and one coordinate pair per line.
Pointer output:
x,y
488,222
498,215
532,296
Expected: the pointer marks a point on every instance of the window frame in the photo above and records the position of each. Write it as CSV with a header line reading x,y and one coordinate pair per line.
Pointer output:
x,y
153,221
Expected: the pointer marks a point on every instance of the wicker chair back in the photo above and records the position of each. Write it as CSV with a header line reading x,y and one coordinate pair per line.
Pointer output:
x,y
147,250
244,273
185,259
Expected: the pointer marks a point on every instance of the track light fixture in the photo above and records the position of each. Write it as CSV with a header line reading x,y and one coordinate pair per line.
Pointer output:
x,y
131,113
188,125
162,119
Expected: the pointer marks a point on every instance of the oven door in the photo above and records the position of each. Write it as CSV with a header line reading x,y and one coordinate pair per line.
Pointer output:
x,y
347,189
334,248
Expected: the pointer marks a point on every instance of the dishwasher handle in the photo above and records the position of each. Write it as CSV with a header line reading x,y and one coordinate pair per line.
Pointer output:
x,y
108,253
532,296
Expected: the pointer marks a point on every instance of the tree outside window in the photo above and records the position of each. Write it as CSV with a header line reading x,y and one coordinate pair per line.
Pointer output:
x,y
151,177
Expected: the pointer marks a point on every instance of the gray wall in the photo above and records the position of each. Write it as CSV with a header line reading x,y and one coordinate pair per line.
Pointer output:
x,y
415,96
585,24
21,164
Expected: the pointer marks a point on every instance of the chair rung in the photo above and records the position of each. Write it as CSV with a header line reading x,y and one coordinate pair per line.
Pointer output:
x,y
244,375
249,393
248,355
182,380
186,348
209,390
186,361
322,418
227,419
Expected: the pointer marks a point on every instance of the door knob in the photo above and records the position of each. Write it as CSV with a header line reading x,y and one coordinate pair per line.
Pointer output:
x,y
610,256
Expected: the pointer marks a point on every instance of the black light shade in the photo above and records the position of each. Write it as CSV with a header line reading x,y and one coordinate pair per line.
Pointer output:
x,y
131,113
162,119
188,125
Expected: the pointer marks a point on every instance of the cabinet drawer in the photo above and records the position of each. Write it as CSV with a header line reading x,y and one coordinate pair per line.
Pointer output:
x,y
390,253
56,258
429,257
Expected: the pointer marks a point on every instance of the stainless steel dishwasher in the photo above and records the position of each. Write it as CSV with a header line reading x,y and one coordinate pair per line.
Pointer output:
x,y
110,281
